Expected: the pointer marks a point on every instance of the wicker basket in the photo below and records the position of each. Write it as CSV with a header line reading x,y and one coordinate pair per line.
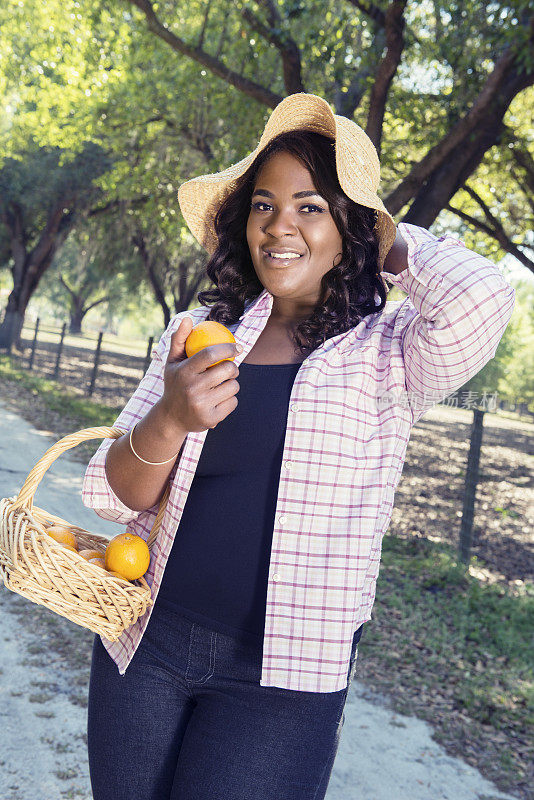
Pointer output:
x,y
37,567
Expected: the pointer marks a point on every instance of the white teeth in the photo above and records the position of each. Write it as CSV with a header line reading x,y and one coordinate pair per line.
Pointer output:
x,y
284,255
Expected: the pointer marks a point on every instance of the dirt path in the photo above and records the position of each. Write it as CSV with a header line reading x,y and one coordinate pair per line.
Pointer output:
x,y
43,706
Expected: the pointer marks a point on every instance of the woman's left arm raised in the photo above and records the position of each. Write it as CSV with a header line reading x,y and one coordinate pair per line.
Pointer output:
x,y
457,310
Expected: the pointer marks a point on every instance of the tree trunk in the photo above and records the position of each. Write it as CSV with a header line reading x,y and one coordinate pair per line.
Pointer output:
x,y
27,271
75,324
77,313
11,328
139,241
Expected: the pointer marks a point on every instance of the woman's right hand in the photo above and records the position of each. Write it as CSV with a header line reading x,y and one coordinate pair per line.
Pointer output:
x,y
198,392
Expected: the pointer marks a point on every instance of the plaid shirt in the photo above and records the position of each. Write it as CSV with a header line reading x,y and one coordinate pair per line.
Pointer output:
x,y
353,403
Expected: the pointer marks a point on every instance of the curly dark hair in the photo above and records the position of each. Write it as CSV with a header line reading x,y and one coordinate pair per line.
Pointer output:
x,y
348,289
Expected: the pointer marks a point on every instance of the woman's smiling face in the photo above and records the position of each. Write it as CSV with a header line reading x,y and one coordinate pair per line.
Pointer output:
x,y
279,220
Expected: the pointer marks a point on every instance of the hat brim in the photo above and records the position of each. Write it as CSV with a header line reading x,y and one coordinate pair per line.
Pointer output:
x,y
357,164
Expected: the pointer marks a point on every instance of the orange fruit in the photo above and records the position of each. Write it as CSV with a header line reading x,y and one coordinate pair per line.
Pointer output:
x,y
98,561
87,554
63,535
69,547
116,574
128,555
205,334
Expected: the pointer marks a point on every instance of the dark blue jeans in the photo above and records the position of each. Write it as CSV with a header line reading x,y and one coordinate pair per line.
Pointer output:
x,y
189,721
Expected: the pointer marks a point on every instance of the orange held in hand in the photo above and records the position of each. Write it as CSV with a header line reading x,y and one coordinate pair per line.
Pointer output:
x,y
128,555
63,535
205,334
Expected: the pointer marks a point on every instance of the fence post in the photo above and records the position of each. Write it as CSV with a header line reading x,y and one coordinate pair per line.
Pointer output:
x,y
147,357
59,349
34,343
471,480
95,366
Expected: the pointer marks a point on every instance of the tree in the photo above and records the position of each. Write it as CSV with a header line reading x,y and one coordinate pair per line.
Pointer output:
x,y
40,194
50,71
90,269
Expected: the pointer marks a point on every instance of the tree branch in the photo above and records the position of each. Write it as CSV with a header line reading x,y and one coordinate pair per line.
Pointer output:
x,y
12,218
186,291
139,241
500,87
286,46
47,239
394,27
204,25
494,231
67,287
116,204
272,12
371,11
105,299
248,87
222,37
523,158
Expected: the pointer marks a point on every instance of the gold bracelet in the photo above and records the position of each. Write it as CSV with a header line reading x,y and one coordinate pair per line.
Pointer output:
x,y
152,463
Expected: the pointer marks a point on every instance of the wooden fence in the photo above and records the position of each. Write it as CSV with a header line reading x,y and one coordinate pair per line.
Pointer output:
x,y
91,368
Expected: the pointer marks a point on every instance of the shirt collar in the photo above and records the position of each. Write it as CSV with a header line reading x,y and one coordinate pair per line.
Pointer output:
x,y
262,304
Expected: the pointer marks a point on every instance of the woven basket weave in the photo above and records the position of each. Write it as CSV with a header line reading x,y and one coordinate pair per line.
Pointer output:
x,y
37,567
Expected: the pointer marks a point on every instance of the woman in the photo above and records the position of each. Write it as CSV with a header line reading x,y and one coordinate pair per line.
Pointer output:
x,y
233,685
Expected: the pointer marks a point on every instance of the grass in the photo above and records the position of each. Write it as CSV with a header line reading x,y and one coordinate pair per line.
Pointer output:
x,y
476,638
458,653
49,405
56,397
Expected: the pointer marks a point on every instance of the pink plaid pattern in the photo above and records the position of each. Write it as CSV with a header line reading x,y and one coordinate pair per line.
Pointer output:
x,y
353,404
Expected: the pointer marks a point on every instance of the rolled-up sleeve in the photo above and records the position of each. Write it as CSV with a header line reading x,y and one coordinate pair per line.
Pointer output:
x,y
96,490
452,321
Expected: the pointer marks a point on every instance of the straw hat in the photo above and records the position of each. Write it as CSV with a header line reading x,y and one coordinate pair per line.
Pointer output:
x,y
358,169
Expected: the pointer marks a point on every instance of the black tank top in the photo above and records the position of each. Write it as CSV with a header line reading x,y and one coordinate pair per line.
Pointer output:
x,y
217,571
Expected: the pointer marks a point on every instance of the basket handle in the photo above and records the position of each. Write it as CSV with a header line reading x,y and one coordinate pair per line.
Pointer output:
x,y
27,492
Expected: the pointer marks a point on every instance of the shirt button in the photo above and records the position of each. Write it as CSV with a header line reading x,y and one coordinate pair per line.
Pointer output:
x,y
276,576
287,464
294,407
282,520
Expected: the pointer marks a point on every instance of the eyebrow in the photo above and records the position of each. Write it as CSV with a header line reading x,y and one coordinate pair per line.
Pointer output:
x,y
305,193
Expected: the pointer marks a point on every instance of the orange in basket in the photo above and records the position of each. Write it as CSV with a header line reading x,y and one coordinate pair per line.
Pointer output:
x,y
128,555
87,554
62,535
